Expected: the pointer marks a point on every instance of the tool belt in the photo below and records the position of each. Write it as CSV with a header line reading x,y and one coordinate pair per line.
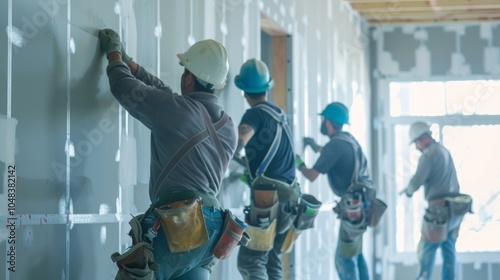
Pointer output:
x,y
184,224
459,205
137,262
360,203
307,211
232,234
435,221
286,192
261,217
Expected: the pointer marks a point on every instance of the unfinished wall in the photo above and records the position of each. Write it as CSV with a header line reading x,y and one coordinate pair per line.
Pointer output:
x,y
82,162
452,51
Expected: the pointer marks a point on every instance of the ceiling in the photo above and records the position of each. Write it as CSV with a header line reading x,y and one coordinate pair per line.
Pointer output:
x,y
426,11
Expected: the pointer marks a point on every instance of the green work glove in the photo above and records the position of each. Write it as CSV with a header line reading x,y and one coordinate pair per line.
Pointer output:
x,y
308,141
298,162
110,41
125,57
244,179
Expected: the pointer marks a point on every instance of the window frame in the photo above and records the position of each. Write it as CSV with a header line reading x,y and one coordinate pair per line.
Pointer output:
x,y
385,151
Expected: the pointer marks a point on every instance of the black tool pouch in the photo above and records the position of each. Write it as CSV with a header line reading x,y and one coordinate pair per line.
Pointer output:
x,y
307,211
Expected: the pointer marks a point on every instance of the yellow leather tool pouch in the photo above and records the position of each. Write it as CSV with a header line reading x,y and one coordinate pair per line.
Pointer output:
x,y
291,236
262,239
183,224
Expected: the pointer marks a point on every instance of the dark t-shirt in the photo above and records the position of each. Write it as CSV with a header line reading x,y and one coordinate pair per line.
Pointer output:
x,y
282,167
337,161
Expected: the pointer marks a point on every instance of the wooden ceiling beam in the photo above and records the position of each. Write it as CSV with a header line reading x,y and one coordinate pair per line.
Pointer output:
x,y
414,21
407,6
488,13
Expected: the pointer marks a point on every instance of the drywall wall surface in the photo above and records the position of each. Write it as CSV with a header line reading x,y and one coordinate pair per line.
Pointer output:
x,y
82,162
455,49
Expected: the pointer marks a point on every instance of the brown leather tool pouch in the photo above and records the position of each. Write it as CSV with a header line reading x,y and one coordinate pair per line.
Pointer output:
x,y
183,224
435,222
264,208
233,232
375,212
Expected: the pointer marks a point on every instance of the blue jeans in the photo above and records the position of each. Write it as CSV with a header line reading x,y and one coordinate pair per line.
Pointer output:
x,y
428,251
262,265
193,264
353,268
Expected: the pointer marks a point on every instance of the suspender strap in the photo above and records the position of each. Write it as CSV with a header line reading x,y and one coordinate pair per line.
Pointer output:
x,y
192,142
213,133
281,125
355,147
280,118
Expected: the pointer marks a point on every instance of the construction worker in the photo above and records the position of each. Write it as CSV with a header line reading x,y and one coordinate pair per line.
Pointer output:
x,y
436,172
346,167
192,140
266,137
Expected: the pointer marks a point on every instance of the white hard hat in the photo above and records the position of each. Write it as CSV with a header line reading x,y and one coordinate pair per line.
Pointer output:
x,y
207,60
418,129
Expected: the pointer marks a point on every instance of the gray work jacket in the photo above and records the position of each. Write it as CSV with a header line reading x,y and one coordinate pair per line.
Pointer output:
x,y
173,120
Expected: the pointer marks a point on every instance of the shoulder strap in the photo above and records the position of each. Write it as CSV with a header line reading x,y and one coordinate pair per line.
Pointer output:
x,y
213,134
281,125
192,142
355,146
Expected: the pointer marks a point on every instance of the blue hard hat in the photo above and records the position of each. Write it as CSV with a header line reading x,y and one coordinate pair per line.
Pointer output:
x,y
336,112
254,77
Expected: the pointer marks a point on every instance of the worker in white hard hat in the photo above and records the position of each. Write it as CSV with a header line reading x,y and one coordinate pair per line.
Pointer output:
x,y
436,172
346,166
192,140
265,135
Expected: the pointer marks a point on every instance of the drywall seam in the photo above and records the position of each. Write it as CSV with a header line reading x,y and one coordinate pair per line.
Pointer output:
x,y
9,60
68,136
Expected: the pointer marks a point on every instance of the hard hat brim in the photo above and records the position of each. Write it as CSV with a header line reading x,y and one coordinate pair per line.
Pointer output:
x,y
182,59
321,114
239,84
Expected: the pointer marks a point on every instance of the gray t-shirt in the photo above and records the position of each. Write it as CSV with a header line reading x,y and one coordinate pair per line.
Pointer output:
x,y
173,119
337,160
436,172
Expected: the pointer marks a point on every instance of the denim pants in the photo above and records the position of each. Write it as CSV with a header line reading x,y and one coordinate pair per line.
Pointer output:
x,y
189,265
353,268
262,265
428,253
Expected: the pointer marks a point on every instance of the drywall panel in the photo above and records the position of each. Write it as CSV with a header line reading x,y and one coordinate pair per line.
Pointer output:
x,y
93,110
471,41
457,49
40,253
402,47
440,44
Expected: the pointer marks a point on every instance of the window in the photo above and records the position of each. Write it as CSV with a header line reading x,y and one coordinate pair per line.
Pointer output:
x,y
465,117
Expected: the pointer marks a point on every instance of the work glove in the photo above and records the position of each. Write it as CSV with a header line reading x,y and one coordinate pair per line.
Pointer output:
x,y
125,57
298,162
308,141
110,41
244,179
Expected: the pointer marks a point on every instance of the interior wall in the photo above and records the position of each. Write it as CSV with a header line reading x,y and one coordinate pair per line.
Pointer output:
x,y
455,51
82,163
